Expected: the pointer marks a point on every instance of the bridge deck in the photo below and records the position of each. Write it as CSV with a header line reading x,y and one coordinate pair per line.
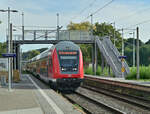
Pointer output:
x,y
51,41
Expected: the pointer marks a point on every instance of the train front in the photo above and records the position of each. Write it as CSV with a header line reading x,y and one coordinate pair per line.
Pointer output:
x,y
70,68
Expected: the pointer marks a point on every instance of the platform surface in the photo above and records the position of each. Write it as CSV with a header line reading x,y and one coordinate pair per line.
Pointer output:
x,y
144,83
20,100
26,98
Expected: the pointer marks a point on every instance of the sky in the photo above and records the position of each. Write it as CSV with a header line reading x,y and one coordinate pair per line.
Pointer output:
x,y
125,13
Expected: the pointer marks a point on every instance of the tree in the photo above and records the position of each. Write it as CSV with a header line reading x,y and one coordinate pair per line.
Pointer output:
x,y
86,49
32,54
129,43
129,54
104,29
2,48
99,29
79,26
145,55
144,52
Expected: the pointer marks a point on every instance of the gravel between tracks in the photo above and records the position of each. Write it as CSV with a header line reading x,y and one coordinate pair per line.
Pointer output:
x,y
128,108
91,107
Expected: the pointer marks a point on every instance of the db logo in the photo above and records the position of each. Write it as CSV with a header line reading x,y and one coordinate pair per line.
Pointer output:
x,y
69,75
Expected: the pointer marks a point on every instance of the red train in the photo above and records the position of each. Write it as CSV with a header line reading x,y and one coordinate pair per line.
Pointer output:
x,y
61,66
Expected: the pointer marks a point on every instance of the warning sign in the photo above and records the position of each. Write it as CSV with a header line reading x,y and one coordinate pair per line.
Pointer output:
x,y
122,69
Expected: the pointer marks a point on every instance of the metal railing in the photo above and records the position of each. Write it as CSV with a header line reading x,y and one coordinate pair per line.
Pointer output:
x,y
53,35
111,55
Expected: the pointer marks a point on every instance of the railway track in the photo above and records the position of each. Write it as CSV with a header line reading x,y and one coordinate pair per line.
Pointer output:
x,y
127,88
137,101
91,105
124,94
124,105
119,83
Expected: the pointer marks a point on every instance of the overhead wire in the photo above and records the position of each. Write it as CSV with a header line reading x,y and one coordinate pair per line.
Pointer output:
x,y
101,8
83,10
133,14
140,23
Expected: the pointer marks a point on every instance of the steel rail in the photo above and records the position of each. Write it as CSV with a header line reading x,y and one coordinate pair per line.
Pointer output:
x,y
118,83
98,103
142,103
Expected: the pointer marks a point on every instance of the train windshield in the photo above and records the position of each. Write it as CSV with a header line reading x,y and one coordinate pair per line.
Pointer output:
x,y
69,61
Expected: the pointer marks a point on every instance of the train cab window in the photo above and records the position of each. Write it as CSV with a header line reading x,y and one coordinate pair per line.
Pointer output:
x,y
69,61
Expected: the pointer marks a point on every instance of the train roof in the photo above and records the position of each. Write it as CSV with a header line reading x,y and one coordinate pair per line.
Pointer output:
x,y
63,45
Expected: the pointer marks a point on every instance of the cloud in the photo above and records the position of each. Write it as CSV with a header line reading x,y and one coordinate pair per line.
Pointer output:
x,y
43,13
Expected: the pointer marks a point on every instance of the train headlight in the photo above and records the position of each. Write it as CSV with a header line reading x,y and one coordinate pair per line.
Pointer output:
x,y
74,69
63,69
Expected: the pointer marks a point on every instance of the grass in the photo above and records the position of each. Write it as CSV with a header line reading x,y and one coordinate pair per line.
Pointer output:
x,y
144,80
88,71
98,72
144,73
78,107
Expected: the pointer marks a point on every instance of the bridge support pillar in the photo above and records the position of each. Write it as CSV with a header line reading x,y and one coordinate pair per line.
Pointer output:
x,y
93,58
17,48
96,62
102,63
14,59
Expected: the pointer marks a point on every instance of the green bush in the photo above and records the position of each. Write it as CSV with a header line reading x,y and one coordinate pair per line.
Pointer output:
x,y
98,72
88,71
144,73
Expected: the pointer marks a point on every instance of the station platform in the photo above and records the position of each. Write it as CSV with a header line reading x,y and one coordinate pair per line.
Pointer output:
x,y
144,83
31,96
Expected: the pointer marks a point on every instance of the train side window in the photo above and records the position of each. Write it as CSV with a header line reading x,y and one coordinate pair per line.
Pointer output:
x,y
37,64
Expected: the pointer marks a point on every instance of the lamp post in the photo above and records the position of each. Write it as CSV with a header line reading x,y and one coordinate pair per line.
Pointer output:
x,y
9,46
22,26
122,43
95,50
8,10
57,26
122,34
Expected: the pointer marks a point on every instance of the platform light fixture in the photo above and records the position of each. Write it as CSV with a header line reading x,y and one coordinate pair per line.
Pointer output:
x,y
9,45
